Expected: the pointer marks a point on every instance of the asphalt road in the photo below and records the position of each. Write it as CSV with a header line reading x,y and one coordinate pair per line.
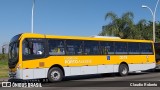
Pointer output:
x,y
104,82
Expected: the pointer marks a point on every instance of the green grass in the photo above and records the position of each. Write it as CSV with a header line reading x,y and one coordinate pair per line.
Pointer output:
x,y
3,68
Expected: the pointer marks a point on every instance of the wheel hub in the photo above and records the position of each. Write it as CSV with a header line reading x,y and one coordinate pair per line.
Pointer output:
x,y
55,75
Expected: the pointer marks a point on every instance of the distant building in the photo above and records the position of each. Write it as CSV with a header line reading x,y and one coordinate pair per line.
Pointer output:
x,y
4,47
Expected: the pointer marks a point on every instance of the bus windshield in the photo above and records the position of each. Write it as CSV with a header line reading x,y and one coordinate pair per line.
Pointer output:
x,y
13,51
13,54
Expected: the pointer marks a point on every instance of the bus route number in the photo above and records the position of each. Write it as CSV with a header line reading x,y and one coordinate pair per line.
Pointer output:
x,y
123,57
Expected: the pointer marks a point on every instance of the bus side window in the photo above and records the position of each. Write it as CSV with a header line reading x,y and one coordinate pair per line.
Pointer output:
x,y
74,47
133,48
38,48
56,47
146,48
26,49
91,48
33,48
121,48
107,48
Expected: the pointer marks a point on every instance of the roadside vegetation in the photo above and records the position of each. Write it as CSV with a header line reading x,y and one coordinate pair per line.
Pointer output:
x,y
3,66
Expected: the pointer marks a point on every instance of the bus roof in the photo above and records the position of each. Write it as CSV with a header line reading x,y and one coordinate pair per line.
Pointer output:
x,y
112,37
35,35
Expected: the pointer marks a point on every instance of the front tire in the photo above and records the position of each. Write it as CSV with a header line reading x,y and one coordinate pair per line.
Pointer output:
x,y
123,70
55,74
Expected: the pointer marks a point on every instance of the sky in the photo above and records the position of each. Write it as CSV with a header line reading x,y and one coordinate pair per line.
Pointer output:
x,y
66,17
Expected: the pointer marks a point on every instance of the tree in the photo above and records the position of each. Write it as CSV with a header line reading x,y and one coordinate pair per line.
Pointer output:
x,y
141,28
111,29
119,26
124,27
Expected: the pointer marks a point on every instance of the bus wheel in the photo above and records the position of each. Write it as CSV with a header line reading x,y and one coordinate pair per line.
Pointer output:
x,y
123,70
55,74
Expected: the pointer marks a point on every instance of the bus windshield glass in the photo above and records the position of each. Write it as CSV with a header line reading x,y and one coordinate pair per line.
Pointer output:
x,y
13,51
13,54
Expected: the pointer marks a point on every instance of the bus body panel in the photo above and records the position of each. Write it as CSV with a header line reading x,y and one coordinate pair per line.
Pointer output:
x,y
73,61
82,65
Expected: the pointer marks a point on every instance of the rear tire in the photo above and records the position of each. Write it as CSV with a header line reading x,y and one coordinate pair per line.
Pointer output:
x,y
123,70
55,74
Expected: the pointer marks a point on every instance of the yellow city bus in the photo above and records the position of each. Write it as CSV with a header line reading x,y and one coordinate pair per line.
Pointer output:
x,y
38,56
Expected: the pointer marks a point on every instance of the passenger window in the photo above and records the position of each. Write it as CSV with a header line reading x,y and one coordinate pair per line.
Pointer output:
x,y
107,48
146,48
120,48
133,48
56,47
74,47
91,48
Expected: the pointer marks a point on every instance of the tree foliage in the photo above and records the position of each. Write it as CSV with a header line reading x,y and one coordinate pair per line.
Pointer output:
x,y
124,27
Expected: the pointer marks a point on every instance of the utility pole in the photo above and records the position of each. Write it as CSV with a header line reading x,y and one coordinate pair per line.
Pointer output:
x,y
32,20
